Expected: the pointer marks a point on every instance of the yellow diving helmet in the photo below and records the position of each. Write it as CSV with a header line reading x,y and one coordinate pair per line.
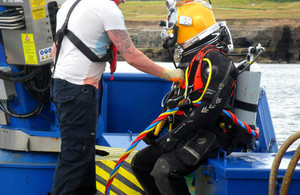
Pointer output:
x,y
189,22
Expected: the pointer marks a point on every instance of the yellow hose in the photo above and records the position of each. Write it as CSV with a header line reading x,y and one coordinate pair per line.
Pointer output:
x,y
289,172
208,80
186,81
159,126
277,160
207,83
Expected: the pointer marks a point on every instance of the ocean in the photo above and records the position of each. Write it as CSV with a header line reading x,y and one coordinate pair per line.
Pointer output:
x,y
282,85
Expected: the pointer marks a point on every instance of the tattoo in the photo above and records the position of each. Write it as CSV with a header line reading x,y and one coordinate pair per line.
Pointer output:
x,y
123,41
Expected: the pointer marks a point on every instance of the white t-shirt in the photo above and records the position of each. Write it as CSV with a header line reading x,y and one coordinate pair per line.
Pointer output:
x,y
89,21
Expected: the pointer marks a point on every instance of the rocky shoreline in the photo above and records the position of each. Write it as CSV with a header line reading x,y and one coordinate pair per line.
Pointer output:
x,y
280,38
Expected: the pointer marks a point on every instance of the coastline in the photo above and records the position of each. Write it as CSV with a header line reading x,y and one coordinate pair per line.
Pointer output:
x,y
280,38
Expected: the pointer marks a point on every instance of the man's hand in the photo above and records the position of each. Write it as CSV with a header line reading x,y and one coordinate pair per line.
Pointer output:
x,y
176,76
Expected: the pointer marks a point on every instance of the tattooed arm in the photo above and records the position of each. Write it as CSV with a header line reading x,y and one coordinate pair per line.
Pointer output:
x,y
132,55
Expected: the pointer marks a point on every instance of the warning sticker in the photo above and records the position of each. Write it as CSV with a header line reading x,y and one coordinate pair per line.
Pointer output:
x,y
38,13
29,48
45,54
37,3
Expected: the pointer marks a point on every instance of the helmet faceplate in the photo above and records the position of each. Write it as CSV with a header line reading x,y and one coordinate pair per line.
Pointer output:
x,y
193,18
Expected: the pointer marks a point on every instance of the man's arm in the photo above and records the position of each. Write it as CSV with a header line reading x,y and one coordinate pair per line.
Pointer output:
x,y
132,55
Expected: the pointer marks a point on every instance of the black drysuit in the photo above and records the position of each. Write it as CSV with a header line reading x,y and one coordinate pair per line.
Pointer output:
x,y
160,168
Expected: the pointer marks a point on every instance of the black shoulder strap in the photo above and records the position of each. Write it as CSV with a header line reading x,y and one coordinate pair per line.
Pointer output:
x,y
87,51
61,33
77,42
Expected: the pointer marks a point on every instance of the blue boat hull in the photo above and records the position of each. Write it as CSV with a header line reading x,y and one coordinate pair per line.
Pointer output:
x,y
130,103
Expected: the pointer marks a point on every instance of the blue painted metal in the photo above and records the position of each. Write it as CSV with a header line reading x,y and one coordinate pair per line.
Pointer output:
x,y
130,103
28,173
25,103
267,139
243,173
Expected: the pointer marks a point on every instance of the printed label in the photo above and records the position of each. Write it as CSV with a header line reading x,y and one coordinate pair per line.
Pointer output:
x,y
37,3
45,54
38,13
29,48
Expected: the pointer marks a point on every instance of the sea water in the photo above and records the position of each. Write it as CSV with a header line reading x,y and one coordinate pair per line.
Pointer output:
x,y
282,85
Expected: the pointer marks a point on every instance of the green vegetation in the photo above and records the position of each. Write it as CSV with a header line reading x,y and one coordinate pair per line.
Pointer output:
x,y
144,10
223,9
284,0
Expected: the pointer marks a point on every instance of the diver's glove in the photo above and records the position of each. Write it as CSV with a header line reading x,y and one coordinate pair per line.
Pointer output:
x,y
150,138
176,76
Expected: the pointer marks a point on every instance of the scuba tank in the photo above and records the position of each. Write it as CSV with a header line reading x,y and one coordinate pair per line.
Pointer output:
x,y
247,89
247,95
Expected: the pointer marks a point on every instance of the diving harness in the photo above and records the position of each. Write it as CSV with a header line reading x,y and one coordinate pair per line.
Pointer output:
x,y
184,99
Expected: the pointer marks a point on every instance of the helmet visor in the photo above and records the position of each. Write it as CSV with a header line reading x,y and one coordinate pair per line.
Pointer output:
x,y
172,18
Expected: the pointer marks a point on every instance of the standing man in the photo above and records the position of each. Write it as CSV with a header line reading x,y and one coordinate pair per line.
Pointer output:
x,y
96,23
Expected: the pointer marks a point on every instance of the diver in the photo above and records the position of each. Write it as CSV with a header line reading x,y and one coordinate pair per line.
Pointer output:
x,y
195,133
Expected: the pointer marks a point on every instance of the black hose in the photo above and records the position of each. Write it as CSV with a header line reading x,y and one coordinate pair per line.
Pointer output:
x,y
22,79
35,112
37,81
10,74
172,57
42,90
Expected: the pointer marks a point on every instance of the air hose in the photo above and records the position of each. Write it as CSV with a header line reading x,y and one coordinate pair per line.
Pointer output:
x,y
276,163
9,76
207,83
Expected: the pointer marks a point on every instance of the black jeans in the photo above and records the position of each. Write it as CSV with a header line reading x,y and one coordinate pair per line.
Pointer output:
x,y
77,115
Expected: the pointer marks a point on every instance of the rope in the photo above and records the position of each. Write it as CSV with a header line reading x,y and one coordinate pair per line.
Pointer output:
x,y
277,160
241,123
134,144
151,127
289,172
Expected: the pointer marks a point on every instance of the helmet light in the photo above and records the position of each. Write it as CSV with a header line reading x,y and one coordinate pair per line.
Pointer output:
x,y
185,20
